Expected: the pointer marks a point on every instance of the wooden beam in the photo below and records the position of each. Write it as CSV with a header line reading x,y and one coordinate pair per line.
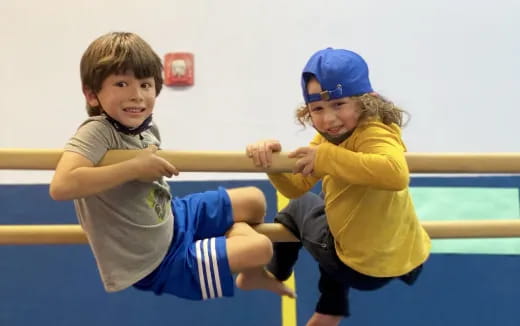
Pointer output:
x,y
194,161
73,234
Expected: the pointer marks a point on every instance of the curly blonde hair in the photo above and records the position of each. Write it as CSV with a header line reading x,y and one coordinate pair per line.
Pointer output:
x,y
116,53
372,105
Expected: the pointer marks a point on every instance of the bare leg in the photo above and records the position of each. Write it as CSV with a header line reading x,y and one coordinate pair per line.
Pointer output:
x,y
261,279
248,203
247,248
324,320
248,252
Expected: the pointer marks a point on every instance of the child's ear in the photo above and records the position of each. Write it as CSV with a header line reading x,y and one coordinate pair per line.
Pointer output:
x,y
91,97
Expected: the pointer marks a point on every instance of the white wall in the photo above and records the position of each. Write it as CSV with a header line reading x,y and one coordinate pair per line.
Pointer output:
x,y
453,64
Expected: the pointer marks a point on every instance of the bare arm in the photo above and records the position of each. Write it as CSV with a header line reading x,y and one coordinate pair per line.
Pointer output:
x,y
77,177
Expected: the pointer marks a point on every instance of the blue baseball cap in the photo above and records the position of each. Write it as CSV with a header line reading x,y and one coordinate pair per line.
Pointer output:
x,y
341,73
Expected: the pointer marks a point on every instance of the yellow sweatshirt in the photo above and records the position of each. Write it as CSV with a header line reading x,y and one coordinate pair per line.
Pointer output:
x,y
368,205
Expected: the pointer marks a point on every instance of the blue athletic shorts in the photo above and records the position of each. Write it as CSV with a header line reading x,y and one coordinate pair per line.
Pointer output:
x,y
196,265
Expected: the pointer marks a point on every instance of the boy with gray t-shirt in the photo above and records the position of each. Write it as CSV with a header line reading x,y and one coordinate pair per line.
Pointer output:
x,y
140,236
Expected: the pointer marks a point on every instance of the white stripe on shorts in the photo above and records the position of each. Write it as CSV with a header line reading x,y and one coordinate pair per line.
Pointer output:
x,y
202,283
207,265
205,250
213,247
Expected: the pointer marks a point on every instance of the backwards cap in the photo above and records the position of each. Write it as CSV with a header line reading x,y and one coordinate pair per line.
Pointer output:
x,y
341,73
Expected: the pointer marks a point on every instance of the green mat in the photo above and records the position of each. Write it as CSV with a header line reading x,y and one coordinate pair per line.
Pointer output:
x,y
436,204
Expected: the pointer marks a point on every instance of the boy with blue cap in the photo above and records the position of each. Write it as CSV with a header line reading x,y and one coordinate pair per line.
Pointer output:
x,y
363,231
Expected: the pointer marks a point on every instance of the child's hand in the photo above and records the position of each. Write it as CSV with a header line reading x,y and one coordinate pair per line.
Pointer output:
x,y
151,167
261,152
305,162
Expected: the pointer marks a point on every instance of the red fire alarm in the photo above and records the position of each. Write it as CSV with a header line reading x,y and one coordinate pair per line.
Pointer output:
x,y
178,69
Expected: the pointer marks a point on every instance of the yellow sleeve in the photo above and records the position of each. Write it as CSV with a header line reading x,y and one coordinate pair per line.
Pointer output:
x,y
292,185
377,160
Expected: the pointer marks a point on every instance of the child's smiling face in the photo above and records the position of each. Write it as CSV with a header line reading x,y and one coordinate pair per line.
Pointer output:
x,y
125,98
335,117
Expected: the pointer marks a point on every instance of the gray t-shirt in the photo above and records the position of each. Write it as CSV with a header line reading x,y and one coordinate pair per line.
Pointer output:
x,y
129,227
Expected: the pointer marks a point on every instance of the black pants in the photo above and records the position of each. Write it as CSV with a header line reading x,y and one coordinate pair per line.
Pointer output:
x,y
305,218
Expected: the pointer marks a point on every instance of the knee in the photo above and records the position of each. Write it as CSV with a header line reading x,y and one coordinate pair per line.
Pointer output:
x,y
310,199
255,200
305,202
264,248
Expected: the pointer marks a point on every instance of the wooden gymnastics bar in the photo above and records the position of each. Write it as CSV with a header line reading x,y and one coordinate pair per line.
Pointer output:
x,y
73,234
193,161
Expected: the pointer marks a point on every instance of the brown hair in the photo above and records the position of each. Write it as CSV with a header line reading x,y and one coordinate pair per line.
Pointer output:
x,y
373,106
116,53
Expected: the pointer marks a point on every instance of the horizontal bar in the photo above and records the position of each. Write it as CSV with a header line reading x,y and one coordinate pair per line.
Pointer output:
x,y
473,229
187,161
196,161
463,162
42,234
73,234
